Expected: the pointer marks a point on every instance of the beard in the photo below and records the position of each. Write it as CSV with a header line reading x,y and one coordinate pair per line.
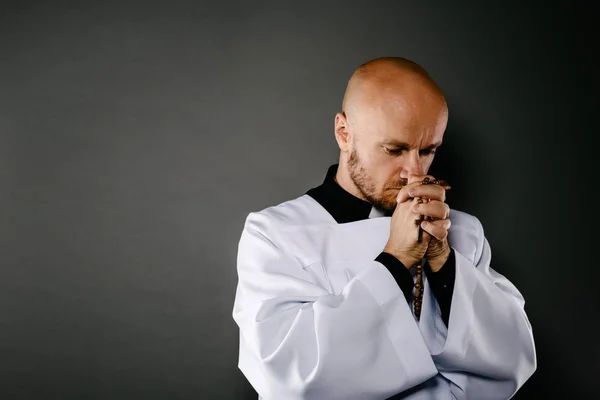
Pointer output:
x,y
366,185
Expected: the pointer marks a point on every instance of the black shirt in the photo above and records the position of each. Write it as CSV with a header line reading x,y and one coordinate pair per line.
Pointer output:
x,y
345,207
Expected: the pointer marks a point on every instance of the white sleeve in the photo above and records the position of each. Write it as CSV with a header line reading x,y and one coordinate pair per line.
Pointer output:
x,y
487,351
299,341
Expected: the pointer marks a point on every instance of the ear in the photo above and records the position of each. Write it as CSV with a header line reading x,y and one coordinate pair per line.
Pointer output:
x,y
341,131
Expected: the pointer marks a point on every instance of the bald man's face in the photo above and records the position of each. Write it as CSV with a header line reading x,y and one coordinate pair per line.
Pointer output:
x,y
390,142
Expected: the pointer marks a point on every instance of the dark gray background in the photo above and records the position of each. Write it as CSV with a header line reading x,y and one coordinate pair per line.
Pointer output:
x,y
135,138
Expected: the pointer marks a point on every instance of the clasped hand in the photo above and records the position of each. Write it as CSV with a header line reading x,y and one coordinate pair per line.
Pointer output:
x,y
432,216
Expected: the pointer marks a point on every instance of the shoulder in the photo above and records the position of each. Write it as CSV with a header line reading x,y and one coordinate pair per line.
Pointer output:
x,y
302,210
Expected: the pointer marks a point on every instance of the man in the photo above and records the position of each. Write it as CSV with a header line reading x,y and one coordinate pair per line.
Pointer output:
x,y
342,295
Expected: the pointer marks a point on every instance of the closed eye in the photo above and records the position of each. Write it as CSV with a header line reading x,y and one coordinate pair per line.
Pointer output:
x,y
393,151
424,152
427,152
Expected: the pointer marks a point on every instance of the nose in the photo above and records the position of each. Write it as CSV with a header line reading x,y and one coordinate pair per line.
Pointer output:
x,y
413,166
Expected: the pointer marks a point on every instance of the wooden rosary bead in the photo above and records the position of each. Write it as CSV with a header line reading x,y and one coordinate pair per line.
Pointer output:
x,y
418,297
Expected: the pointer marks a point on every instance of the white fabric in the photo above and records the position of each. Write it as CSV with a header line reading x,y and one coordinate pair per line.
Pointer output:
x,y
320,319
375,213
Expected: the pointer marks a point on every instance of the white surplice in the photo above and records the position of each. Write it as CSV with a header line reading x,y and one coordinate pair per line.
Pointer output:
x,y
320,319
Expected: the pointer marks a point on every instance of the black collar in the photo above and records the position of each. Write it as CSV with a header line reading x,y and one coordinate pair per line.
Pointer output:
x,y
342,205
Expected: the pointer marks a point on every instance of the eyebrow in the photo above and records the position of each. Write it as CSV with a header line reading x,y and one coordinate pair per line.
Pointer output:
x,y
404,145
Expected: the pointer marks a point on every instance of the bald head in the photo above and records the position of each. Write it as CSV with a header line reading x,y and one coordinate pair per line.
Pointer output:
x,y
389,82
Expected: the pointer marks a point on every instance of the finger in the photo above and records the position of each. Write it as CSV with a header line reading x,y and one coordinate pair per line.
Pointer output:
x,y
437,229
444,184
403,193
412,181
435,209
442,223
434,192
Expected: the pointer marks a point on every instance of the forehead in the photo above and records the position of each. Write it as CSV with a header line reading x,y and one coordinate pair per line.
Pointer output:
x,y
409,123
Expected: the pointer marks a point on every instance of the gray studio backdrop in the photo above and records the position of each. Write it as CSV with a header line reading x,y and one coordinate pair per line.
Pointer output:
x,y
136,137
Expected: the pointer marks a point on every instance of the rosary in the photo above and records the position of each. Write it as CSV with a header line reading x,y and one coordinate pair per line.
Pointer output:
x,y
418,300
